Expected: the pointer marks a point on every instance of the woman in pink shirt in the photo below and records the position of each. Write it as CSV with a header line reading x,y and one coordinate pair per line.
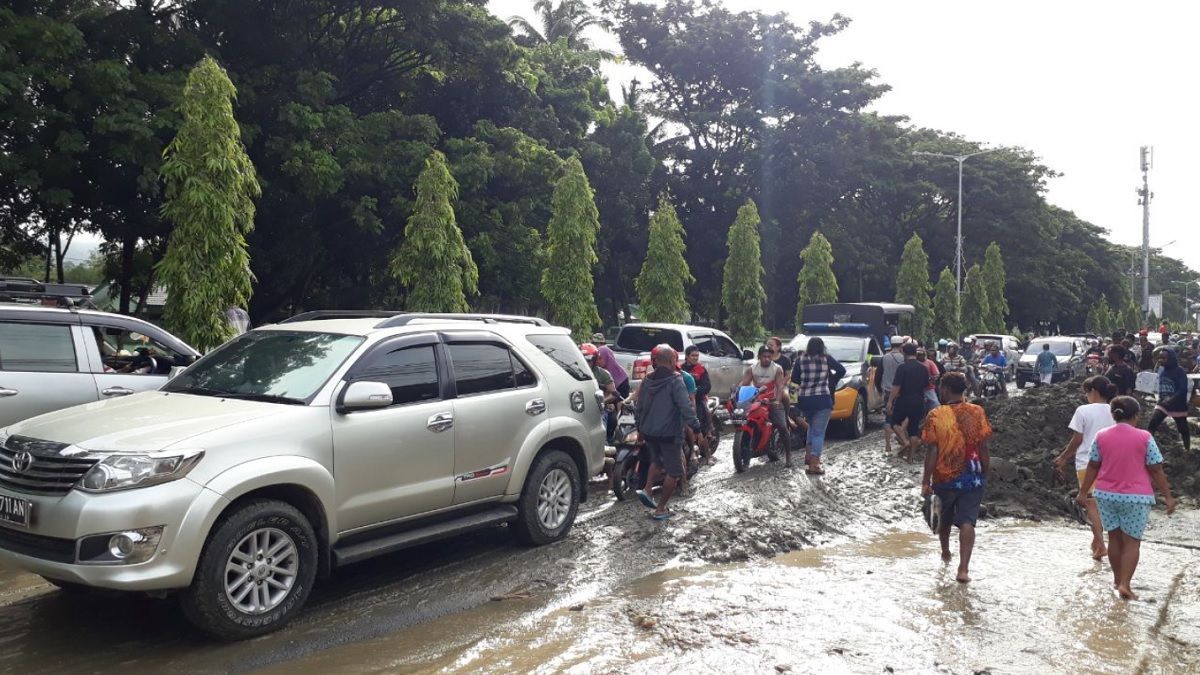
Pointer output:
x,y
1125,466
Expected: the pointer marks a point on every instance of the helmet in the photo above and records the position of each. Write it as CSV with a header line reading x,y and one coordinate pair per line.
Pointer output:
x,y
942,344
969,341
589,350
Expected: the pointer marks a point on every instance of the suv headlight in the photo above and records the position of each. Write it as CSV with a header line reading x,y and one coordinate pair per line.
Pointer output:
x,y
124,472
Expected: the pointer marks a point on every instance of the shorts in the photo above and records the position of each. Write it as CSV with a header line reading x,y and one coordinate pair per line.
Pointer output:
x,y
1079,476
667,453
910,412
960,507
1129,517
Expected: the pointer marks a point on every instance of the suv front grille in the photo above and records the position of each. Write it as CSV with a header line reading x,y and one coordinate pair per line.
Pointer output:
x,y
49,474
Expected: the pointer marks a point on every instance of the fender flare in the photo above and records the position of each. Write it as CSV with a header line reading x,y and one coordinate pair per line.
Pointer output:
x,y
266,472
548,431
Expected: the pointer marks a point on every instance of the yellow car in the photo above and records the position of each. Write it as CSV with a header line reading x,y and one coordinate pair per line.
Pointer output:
x,y
855,395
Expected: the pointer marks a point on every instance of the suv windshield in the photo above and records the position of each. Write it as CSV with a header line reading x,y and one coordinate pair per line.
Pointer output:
x,y
845,349
1057,347
273,366
645,338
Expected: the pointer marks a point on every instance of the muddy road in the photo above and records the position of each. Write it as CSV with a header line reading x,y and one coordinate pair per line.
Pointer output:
x,y
767,571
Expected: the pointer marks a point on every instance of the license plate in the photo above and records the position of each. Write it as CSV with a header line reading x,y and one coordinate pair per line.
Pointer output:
x,y
15,511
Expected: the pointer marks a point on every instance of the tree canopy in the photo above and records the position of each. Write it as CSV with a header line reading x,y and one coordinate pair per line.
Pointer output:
x,y
817,282
567,281
946,322
913,287
974,302
742,293
662,284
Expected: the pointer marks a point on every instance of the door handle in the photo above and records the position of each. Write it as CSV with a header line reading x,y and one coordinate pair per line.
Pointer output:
x,y
535,407
116,391
5,392
440,422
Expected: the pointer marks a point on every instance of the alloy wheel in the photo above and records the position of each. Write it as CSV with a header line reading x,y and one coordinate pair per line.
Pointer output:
x,y
261,570
554,499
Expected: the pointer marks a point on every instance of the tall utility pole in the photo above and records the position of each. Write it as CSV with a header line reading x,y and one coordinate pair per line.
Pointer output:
x,y
1144,197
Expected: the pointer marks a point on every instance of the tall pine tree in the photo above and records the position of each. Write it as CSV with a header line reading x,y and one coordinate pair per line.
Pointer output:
x,y
912,288
818,284
945,307
662,283
567,282
210,187
995,281
434,262
975,302
1100,318
742,293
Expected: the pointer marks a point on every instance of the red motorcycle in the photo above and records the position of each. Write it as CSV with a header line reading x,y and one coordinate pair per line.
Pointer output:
x,y
753,433
1094,365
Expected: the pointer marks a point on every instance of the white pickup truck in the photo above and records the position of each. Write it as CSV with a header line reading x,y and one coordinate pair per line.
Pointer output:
x,y
721,356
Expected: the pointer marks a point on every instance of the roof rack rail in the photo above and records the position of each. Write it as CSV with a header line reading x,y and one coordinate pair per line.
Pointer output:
x,y
31,291
406,318
332,314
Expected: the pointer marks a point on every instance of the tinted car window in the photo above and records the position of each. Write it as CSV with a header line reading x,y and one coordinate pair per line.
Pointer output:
x,y
705,343
522,375
42,348
411,372
645,338
481,368
725,347
564,352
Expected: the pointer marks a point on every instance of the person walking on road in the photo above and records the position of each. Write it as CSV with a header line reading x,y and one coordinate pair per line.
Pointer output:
x,y
1046,361
956,467
1088,420
906,402
813,372
1124,467
931,395
1119,372
663,410
1172,395
770,379
886,366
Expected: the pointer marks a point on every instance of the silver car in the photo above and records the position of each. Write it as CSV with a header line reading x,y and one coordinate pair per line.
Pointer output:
x,y
298,448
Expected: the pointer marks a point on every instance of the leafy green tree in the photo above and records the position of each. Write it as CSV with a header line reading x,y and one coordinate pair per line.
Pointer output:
x,y
974,302
1131,316
567,282
434,262
210,191
913,287
995,281
945,307
818,284
742,294
1100,317
662,284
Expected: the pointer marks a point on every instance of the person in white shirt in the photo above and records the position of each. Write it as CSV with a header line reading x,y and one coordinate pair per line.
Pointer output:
x,y
1087,421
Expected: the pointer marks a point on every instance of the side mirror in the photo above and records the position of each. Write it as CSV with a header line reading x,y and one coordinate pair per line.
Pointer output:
x,y
365,395
176,370
747,355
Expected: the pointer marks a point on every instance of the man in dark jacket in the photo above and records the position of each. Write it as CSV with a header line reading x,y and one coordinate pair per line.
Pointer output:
x,y
662,411
692,366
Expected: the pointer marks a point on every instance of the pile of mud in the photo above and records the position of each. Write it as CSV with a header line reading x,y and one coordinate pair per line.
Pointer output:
x,y
1031,430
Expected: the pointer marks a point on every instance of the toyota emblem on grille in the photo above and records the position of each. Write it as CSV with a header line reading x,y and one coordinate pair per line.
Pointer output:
x,y
22,461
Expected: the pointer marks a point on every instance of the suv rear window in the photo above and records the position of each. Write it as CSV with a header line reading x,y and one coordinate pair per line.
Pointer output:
x,y
562,350
36,347
645,338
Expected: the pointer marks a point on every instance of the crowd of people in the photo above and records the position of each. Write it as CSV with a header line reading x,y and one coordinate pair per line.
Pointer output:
x,y
1117,465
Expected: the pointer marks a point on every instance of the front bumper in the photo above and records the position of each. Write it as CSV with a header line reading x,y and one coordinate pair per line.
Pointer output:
x,y
49,546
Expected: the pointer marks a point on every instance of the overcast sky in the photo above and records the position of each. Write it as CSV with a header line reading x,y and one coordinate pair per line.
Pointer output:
x,y
1082,84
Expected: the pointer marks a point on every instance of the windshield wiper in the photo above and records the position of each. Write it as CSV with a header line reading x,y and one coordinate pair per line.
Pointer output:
x,y
265,398
199,391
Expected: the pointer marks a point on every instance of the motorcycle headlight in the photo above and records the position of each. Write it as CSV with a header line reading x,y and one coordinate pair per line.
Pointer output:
x,y
125,472
739,411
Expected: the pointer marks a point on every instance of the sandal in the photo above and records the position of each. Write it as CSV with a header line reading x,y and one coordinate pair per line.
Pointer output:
x,y
662,516
815,472
646,499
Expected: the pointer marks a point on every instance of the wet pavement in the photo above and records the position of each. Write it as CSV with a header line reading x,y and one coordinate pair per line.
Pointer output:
x,y
766,571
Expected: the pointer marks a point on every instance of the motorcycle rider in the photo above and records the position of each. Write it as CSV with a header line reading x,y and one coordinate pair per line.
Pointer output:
x,y
770,379
611,396
663,410
996,358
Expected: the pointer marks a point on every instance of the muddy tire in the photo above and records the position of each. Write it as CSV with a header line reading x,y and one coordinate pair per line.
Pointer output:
x,y
276,546
741,451
626,480
774,451
856,426
549,500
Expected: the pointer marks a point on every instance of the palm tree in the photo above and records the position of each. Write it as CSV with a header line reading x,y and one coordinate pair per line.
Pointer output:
x,y
568,20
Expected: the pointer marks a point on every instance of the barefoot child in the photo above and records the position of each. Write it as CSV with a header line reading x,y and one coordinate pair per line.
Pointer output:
x,y
1087,421
956,466
1124,462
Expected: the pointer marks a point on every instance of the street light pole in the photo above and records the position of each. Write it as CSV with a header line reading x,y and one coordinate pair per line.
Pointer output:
x,y
1187,305
958,239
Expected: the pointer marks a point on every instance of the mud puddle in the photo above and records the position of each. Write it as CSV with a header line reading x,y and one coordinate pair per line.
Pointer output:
x,y
1037,604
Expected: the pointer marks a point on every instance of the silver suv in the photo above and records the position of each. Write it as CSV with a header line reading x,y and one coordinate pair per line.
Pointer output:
x,y
297,448
56,358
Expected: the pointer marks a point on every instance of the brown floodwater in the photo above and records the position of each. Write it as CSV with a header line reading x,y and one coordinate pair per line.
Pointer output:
x,y
1037,603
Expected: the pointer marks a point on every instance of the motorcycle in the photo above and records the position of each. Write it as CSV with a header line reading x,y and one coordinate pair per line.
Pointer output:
x,y
631,468
713,433
989,381
1094,365
753,433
